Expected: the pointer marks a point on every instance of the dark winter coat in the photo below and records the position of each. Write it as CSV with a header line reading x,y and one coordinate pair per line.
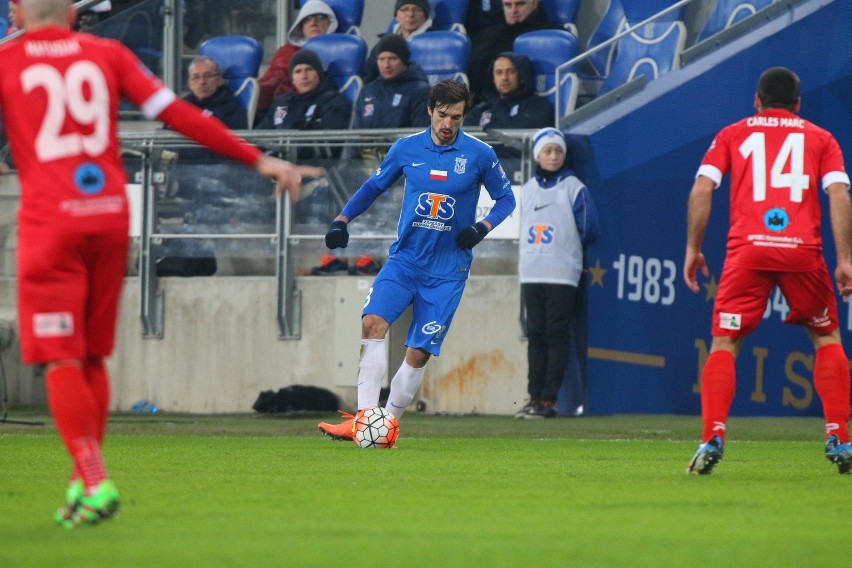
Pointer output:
x,y
223,105
324,108
394,103
494,40
522,109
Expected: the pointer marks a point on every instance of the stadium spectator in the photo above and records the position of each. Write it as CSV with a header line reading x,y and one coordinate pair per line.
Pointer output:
x,y
519,16
398,97
73,218
413,17
558,220
429,262
93,15
509,98
315,105
12,28
774,240
209,92
314,19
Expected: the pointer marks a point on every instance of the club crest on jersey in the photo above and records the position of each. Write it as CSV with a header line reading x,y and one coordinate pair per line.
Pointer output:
x,y
89,178
397,98
368,110
279,115
776,219
461,164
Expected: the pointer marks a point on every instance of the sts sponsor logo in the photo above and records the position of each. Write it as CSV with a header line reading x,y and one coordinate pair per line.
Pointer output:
x,y
435,208
540,234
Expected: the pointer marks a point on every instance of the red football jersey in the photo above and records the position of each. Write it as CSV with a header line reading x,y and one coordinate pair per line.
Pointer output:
x,y
778,161
59,95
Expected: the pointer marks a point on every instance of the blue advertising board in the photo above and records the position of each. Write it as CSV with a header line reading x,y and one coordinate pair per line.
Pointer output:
x,y
648,334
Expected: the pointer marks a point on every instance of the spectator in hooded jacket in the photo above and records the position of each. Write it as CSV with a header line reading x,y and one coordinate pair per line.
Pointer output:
x,y
398,97
316,104
413,17
315,18
510,100
520,16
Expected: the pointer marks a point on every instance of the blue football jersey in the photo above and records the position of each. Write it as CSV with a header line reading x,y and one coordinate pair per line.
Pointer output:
x,y
442,185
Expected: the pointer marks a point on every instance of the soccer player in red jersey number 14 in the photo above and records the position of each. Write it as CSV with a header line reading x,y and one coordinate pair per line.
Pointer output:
x,y
778,162
59,94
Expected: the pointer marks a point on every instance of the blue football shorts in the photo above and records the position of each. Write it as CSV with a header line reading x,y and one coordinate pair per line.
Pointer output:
x,y
434,302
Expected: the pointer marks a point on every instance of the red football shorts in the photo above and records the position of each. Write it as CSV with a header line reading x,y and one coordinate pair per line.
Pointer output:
x,y
743,292
69,285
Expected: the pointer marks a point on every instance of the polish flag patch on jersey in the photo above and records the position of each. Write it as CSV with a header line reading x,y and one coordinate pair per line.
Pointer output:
x,y
439,175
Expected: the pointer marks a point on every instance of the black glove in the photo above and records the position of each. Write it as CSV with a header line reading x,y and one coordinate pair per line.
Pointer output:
x,y
337,235
469,237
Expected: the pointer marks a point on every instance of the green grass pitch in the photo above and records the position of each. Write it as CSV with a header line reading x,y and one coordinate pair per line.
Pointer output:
x,y
456,491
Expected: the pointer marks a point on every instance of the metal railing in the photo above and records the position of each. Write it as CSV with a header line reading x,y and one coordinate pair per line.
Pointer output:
x,y
152,157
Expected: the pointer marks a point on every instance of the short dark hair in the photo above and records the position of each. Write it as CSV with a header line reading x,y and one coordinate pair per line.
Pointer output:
x,y
449,92
778,87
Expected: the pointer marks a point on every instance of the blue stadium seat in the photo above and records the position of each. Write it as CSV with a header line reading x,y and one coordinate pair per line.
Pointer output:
x,y
562,12
239,59
729,12
442,55
343,57
610,23
652,50
548,49
349,14
449,14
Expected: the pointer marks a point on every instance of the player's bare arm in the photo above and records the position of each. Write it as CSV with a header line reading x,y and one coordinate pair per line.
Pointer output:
x,y
841,227
698,213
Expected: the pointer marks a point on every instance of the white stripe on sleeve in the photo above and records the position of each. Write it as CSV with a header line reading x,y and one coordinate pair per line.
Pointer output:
x,y
711,172
834,177
157,103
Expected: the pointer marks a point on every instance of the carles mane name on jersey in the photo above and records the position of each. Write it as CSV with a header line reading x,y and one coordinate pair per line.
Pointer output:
x,y
785,121
60,48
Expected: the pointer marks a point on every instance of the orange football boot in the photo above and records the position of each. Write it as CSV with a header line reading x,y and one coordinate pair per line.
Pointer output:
x,y
343,431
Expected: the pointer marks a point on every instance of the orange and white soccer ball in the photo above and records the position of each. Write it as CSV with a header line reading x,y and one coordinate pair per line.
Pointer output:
x,y
375,427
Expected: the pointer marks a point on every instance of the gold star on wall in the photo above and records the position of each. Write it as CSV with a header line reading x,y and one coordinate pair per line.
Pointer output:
x,y
711,288
597,272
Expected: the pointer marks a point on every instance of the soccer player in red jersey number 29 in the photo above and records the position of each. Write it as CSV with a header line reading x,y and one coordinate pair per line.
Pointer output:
x,y
59,94
777,162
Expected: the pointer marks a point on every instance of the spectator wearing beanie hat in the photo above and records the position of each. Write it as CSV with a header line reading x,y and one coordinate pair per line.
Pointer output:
x,y
550,265
315,18
413,17
397,98
316,104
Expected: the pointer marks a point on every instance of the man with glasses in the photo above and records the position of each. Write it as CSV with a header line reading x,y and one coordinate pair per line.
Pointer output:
x,y
208,91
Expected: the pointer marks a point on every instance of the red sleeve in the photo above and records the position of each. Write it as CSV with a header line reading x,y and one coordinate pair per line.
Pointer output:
x,y
208,130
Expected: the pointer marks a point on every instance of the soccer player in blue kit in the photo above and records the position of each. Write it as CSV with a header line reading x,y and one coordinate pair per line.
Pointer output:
x,y
429,262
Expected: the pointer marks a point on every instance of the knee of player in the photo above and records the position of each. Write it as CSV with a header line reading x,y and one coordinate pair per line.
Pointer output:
x,y
373,327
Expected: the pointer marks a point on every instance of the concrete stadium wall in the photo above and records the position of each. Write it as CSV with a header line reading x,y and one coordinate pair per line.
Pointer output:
x,y
221,349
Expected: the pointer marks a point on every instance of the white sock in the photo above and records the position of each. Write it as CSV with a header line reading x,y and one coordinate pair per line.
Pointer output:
x,y
372,367
403,388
